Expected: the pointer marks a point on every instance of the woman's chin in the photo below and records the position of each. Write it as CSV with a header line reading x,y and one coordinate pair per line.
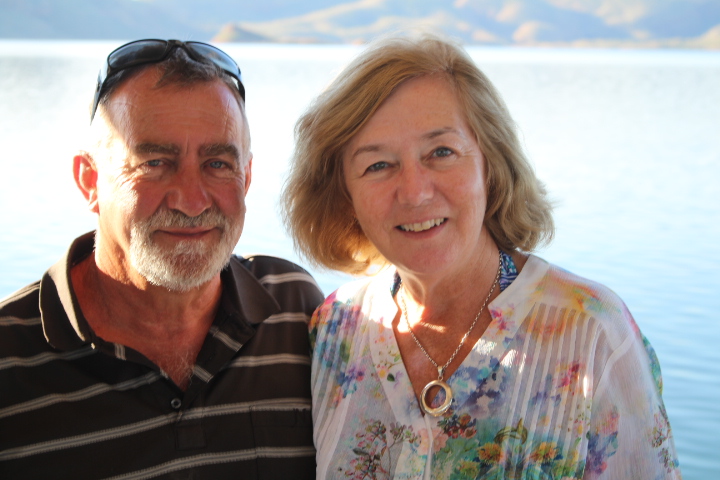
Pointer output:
x,y
429,262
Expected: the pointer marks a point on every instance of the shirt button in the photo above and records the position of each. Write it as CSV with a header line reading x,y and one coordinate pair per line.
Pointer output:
x,y
175,403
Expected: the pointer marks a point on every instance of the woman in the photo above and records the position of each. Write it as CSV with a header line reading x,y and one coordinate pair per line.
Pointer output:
x,y
467,357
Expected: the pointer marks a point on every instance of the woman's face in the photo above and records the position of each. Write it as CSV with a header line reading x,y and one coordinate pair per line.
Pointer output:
x,y
415,174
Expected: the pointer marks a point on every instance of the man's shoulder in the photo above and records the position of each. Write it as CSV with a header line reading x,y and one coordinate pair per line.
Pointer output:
x,y
288,283
22,303
272,270
21,331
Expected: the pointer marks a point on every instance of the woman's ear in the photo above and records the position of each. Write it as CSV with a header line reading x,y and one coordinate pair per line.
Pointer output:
x,y
86,176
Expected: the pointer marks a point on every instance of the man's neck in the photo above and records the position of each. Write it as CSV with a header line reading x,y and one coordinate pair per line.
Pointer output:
x,y
167,327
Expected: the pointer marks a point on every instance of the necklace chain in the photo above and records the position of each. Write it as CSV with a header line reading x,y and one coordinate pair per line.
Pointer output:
x,y
441,369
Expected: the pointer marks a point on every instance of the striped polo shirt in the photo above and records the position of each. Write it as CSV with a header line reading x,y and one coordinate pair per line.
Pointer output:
x,y
74,406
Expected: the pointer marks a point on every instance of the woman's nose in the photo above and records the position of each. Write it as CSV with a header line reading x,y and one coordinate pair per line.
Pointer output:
x,y
415,184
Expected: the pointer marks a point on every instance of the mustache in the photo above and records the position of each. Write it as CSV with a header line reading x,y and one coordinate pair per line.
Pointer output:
x,y
165,218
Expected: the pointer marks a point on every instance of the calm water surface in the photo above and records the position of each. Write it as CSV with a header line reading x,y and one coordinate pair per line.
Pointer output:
x,y
628,143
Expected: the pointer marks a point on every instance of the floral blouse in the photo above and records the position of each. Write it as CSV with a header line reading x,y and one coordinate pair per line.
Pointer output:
x,y
562,385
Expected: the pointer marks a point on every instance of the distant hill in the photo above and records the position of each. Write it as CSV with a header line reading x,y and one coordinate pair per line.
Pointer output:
x,y
619,23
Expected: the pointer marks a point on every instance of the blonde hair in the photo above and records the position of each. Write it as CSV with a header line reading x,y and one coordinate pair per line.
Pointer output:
x,y
316,206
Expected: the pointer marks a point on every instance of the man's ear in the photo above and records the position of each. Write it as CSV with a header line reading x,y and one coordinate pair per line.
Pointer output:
x,y
248,173
86,176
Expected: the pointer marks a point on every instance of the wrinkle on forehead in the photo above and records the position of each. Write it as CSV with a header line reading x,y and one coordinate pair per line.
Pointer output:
x,y
118,123
240,122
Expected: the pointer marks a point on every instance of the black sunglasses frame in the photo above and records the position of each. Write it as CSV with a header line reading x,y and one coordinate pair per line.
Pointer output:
x,y
147,51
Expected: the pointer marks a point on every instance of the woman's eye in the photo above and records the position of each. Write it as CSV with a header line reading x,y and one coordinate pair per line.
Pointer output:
x,y
376,167
442,152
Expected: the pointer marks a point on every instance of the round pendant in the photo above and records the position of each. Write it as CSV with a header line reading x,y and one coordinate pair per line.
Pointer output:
x,y
436,412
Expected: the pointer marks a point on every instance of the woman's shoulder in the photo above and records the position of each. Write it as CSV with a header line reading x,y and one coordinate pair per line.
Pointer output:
x,y
361,290
364,294
576,285
582,298
552,281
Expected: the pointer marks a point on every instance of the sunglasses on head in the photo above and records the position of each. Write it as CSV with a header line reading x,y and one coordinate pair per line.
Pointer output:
x,y
142,52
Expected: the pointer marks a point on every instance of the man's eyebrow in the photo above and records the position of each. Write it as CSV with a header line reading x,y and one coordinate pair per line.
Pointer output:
x,y
216,149
162,148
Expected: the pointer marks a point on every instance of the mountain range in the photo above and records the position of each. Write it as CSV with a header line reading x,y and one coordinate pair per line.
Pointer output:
x,y
601,23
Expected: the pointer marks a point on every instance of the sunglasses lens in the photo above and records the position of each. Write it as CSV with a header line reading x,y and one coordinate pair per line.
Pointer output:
x,y
142,51
218,57
153,50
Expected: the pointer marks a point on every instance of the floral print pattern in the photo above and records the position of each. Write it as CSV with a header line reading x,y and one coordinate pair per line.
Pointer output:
x,y
561,385
372,449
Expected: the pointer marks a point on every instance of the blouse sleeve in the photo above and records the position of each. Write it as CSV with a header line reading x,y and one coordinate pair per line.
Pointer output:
x,y
629,434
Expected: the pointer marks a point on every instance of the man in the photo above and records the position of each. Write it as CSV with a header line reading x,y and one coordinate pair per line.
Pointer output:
x,y
149,350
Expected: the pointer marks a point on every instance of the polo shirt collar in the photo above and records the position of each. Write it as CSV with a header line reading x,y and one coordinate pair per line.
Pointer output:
x,y
244,296
243,300
64,325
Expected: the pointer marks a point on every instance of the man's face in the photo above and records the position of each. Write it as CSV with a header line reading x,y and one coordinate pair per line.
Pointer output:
x,y
171,194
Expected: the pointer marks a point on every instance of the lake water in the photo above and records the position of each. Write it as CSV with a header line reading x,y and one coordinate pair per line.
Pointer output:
x,y
628,143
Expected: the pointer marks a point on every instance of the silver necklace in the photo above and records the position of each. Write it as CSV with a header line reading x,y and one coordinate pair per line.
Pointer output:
x,y
436,412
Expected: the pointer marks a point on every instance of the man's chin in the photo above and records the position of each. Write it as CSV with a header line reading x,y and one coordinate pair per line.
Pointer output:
x,y
174,241
182,270
181,278
182,264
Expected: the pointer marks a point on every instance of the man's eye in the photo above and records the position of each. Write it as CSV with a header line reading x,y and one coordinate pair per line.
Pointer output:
x,y
376,167
217,164
442,152
153,163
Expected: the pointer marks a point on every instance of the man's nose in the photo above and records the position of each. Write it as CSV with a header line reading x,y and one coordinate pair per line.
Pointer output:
x,y
189,194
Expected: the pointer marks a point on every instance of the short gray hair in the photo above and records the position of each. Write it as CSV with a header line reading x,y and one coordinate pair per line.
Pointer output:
x,y
178,69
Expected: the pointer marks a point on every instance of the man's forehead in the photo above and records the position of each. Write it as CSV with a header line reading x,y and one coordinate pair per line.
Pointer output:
x,y
197,119
143,89
139,105
152,77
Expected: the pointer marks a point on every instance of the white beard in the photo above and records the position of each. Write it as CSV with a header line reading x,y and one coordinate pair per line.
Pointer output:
x,y
190,263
